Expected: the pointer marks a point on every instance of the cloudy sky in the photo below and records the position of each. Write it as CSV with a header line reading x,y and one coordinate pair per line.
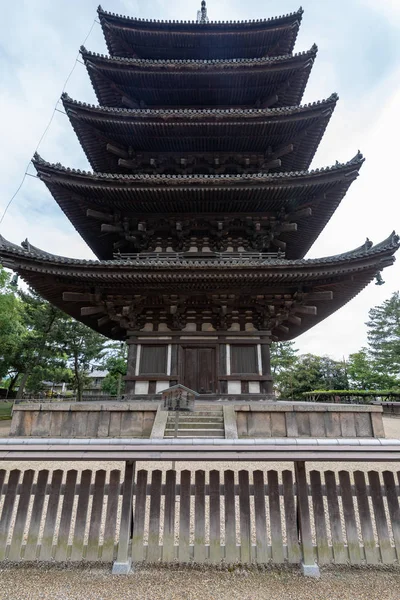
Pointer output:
x,y
359,58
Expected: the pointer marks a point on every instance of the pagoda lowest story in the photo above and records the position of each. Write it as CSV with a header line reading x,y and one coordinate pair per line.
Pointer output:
x,y
201,205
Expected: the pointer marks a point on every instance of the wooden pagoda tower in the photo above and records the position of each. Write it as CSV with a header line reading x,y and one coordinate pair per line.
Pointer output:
x,y
201,205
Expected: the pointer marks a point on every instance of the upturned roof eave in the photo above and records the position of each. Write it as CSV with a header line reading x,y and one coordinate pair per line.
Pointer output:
x,y
172,115
31,256
289,178
115,62
88,120
194,25
115,27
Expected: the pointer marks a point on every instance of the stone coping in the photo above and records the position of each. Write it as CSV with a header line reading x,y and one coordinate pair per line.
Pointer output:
x,y
257,406
89,406
305,407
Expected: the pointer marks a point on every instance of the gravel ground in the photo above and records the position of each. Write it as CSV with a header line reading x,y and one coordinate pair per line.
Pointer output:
x,y
87,582
184,583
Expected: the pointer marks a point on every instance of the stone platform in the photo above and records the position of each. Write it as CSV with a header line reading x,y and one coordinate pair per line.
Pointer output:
x,y
241,419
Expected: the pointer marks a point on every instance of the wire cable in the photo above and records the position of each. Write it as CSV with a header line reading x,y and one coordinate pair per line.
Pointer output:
x,y
47,126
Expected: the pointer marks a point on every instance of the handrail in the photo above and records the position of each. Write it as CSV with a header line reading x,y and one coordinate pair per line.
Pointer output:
x,y
193,449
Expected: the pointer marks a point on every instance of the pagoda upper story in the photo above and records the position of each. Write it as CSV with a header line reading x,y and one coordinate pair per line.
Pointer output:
x,y
139,38
199,142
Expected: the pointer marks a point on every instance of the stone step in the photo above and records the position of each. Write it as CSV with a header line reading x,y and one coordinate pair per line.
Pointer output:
x,y
196,433
205,413
208,407
197,418
207,426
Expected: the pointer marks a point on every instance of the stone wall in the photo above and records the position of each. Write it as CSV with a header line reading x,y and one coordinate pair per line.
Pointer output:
x,y
295,419
253,420
84,420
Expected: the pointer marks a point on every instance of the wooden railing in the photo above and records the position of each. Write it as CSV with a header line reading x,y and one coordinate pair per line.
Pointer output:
x,y
196,516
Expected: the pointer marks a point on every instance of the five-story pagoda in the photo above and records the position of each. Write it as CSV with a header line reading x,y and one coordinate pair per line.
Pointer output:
x,y
200,207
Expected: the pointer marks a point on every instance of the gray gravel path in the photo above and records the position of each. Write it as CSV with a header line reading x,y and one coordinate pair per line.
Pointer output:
x,y
185,583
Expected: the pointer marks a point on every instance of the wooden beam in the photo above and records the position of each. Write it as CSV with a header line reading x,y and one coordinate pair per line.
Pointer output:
x,y
100,216
295,320
283,328
107,228
269,101
279,244
77,297
117,150
282,151
306,310
86,311
300,214
128,164
328,295
129,102
103,321
271,164
288,227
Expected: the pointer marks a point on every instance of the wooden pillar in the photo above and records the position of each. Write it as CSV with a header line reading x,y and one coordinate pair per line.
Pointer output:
x,y
309,566
131,367
266,386
123,564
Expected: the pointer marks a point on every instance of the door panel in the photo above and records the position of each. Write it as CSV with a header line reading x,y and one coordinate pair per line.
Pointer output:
x,y
198,369
190,368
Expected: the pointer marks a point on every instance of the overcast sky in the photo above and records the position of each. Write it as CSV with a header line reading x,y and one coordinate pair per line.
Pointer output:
x,y
358,57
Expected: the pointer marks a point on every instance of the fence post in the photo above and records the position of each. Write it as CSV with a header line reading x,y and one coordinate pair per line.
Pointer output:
x,y
123,564
308,565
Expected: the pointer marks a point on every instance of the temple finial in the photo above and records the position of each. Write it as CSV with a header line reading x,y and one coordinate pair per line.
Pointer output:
x,y
202,14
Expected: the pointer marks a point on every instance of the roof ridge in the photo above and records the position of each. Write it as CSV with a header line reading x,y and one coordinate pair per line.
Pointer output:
x,y
358,159
297,13
87,54
333,98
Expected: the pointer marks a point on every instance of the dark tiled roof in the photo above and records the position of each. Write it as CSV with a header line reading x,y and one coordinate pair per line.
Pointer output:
x,y
367,250
42,165
197,26
342,276
199,113
172,83
150,38
321,190
198,131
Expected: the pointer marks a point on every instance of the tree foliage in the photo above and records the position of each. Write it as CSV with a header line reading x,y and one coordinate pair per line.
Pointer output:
x,y
384,336
12,330
364,374
310,372
83,347
115,364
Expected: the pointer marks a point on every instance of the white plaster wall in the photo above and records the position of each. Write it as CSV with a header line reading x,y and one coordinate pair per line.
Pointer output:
x,y
254,387
141,387
161,385
234,387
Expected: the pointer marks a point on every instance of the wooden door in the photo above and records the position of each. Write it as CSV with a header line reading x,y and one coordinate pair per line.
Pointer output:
x,y
198,370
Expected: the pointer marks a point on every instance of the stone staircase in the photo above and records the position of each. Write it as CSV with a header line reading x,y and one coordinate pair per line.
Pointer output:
x,y
207,421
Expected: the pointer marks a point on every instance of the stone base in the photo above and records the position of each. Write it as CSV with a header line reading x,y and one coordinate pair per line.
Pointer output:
x,y
310,570
242,419
308,419
122,568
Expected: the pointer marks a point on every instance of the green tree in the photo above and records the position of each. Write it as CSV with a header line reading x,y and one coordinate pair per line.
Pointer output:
x,y
311,372
364,374
83,347
39,348
12,330
115,364
283,357
384,336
